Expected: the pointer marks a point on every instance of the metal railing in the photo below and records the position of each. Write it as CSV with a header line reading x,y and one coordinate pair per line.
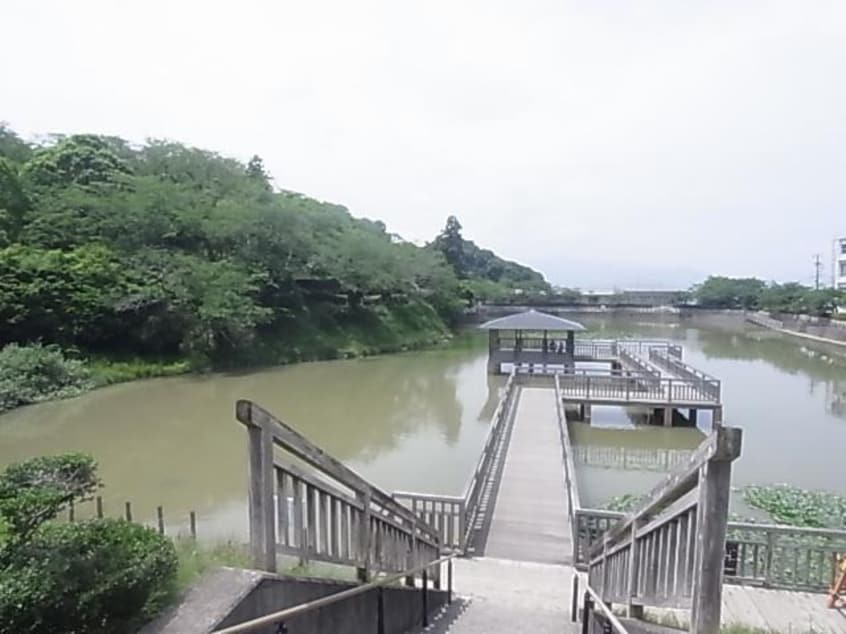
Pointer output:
x,y
670,552
708,384
280,617
456,517
330,514
636,389
595,617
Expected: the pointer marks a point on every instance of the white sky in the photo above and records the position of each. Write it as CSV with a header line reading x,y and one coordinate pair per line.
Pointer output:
x,y
630,143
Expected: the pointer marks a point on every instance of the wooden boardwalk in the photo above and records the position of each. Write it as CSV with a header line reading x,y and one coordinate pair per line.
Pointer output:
x,y
530,516
773,611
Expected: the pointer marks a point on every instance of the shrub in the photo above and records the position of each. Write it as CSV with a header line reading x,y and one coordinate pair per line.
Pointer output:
x,y
35,373
101,576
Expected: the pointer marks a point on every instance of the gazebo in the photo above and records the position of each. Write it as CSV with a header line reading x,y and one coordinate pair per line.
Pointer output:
x,y
531,338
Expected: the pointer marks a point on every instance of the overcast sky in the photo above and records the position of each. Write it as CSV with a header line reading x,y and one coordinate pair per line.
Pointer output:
x,y
640,144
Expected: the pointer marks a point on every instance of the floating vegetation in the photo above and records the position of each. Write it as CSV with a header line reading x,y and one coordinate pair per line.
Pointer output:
x,y
624,503
787,504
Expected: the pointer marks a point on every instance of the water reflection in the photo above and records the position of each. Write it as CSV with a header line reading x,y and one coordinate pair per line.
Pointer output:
x,y
406,421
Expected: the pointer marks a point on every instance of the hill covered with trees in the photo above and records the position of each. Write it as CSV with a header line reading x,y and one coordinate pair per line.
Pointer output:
x,y
162,251
484,275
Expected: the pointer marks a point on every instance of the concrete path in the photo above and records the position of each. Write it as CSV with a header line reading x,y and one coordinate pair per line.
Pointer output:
x,y
530,520
511,596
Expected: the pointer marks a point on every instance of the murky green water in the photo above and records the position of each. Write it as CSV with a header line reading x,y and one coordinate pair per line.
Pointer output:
x,y
416,421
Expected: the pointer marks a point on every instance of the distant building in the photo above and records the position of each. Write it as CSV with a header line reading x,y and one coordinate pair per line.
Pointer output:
x,y
839,263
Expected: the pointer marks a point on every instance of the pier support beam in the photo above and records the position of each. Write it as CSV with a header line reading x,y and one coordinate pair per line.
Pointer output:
x,y
718,416
584,412
668,417
693,415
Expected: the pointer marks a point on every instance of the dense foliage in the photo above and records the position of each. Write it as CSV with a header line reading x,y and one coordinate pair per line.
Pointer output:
x,y
485,276
103,576
755,294
34,373
170,251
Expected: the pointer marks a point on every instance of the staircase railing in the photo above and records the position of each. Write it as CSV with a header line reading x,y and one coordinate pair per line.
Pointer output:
x,y
329,514
706,382
670,552
595,617
279,617
456,517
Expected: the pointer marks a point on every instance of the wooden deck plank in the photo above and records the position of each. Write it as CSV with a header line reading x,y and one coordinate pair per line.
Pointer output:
x,y
780,611
530,520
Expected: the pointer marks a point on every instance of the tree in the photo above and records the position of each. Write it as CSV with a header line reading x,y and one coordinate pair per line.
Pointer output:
x,y
83,159
256,172
13,201
726,292
451,244
12,147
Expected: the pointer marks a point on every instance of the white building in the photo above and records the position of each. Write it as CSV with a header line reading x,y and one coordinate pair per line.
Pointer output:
x,y
839,263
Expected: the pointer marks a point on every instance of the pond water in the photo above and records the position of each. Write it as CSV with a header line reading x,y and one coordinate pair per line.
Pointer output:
x,y
416,421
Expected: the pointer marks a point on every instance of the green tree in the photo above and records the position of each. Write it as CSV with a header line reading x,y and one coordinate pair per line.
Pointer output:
x,y
12,147
13,201
451,244
726,292
84,160
257,173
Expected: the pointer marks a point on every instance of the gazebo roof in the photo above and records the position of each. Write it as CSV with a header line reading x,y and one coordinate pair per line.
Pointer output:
x,y
532,320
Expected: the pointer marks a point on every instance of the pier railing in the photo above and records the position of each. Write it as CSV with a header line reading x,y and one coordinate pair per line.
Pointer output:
x,y
635,389
709,384
784,557
641,366
455,518
329,513
587,525
670,552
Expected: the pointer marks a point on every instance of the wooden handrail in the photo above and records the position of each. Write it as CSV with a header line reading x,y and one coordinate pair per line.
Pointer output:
x,y
253,415
723,445
468,500
298,610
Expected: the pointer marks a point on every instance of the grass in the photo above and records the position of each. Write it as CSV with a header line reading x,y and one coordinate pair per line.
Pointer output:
x,y
107,371
196,558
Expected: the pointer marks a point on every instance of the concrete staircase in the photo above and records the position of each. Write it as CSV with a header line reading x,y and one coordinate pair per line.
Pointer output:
x,y
499,595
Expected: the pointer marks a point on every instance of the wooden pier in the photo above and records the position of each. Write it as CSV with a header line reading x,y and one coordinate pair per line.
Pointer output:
x,y
522,520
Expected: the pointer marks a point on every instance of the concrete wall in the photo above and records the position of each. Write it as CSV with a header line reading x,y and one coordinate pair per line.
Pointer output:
x,y
817,326
228,597
403,607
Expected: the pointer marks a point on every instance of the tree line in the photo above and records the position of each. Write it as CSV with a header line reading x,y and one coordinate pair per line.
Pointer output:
x,y
164,249
754,294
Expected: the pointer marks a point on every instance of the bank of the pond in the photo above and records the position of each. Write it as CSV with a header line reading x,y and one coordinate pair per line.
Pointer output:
x,y
38,373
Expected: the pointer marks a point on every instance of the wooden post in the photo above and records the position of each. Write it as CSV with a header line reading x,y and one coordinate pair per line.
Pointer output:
x,y
634,611
160,519
99,502
128,513
712,522
262,526
363,573
192,523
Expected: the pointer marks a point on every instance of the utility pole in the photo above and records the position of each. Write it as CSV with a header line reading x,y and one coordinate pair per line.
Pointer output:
x,y
817,267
